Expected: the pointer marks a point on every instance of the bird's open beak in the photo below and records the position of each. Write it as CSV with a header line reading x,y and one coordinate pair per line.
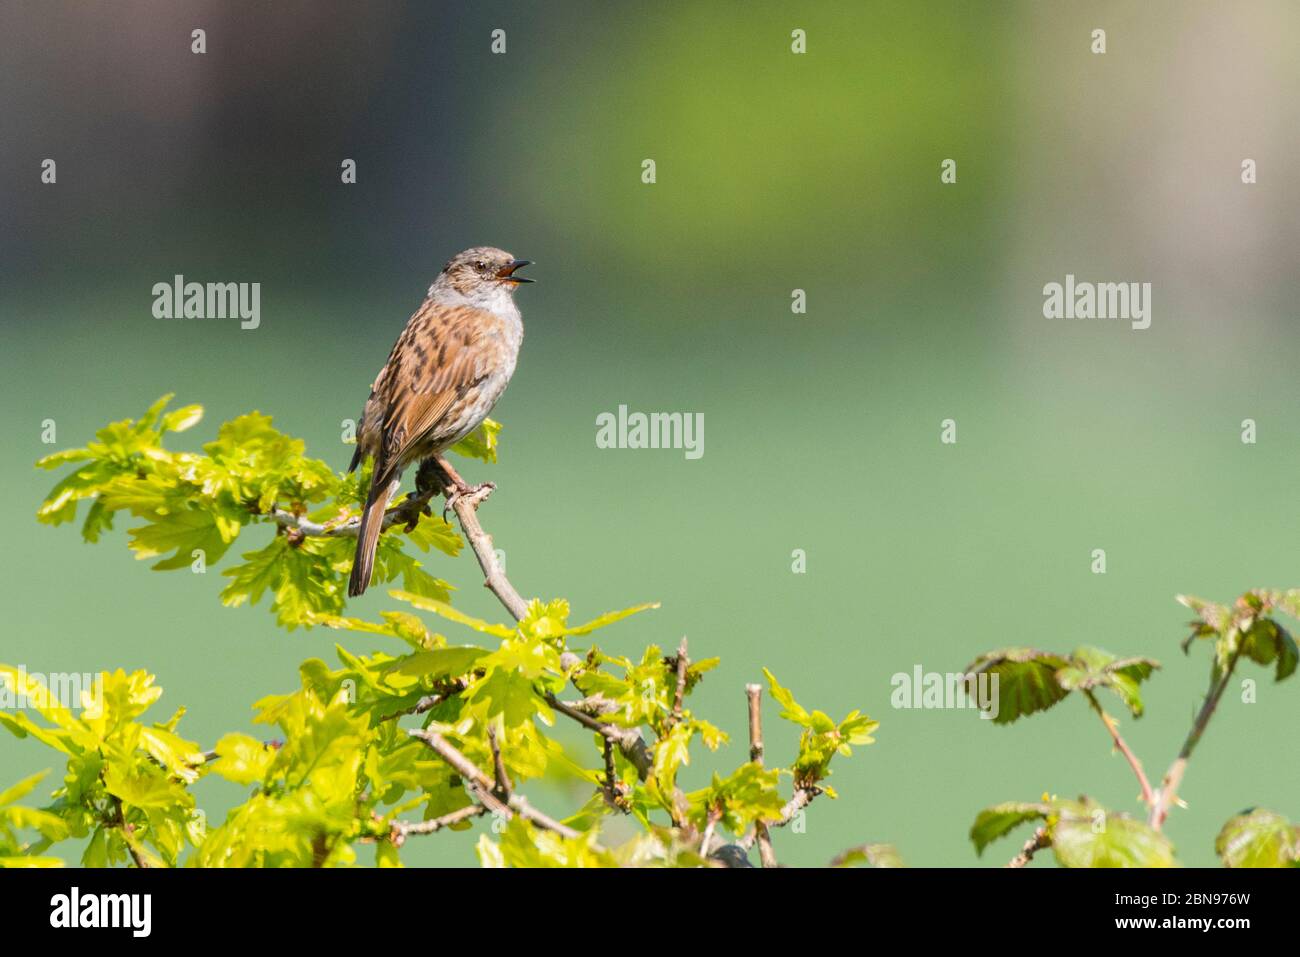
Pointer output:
x,y
507,273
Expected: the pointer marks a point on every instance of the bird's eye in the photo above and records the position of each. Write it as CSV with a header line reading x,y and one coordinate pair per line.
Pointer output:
x,y
480,265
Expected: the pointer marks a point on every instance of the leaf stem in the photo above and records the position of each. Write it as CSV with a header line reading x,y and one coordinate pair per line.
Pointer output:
x,y
1168,792
1148,795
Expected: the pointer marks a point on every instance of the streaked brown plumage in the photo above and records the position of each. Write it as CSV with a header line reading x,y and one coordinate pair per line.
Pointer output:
x,y
448,368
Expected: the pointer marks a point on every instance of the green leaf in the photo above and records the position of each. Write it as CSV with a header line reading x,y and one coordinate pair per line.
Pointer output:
x,y
182,533
1258,838
1027,680
50,826
451,614
439,662
1086,835
747,795
436,532
242,759
1001,819
30,862
608,619
261,571
58,459
183,418
1091,668
869,855
481,443
792,710
22,788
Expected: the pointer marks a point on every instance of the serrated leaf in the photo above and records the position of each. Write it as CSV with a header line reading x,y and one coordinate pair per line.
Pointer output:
x,y
1001,819
439,662
242,759
182,533
1027,681
481,443
869,855
1258,838
1085,835
608,619
22,788
451,614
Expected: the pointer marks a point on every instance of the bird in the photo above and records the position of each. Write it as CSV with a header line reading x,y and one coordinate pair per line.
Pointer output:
x,y
446,371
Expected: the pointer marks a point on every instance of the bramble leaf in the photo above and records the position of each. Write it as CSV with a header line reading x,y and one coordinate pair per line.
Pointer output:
x,y
1258,838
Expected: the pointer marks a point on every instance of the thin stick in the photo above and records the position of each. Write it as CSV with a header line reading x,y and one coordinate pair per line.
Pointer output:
x,y
707,839
501,786
481,786
1148,796
1035,843
1168,792
679,695
803,796
629,740
754,694
405,512
403,829
465,506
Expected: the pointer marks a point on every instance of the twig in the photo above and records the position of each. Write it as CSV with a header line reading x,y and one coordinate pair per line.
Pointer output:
x,y
1035,843
431,701
682,662
629,740
613,792
403,829
1112,726
1168,793
481,787
714,816
405,512
119,822
465,507
754,694
501,786
409,510
803,796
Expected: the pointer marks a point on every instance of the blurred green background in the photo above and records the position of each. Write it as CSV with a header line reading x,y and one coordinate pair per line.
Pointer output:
x,y
775,172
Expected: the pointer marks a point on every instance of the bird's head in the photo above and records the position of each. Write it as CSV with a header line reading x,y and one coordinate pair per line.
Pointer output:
x,y
483,270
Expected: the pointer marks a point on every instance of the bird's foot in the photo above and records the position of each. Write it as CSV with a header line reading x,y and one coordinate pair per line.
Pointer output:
x,y
474,495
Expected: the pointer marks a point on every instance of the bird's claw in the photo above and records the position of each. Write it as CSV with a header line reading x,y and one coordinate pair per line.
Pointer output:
x,y
475,495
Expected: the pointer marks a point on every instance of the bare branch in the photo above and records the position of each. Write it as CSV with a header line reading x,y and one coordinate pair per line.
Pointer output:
x,y
1168,793
431,701
406,512
754,694
803,796
707,839
682,662
481,787
1148,796
501,786
402,829
629,740
1035,843
465,506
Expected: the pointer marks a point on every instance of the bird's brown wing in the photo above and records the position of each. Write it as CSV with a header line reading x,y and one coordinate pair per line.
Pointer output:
x,y
441,355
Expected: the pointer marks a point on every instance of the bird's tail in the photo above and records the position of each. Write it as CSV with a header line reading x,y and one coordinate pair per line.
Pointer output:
x,y
372,523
